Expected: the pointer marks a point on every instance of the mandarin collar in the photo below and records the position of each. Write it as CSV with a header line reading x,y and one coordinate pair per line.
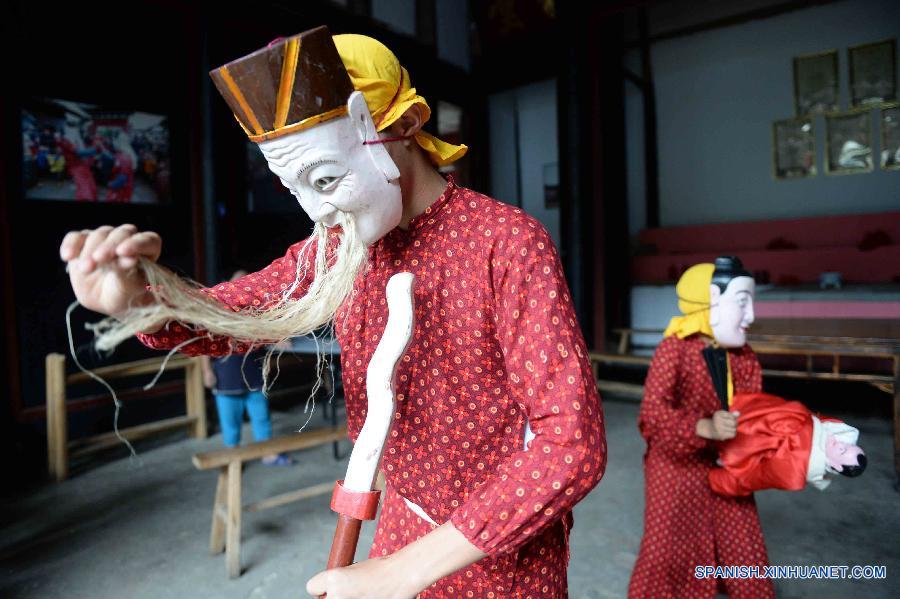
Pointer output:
x,y
429,216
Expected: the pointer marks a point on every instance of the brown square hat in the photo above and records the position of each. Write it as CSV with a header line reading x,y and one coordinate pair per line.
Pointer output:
x,y
290,85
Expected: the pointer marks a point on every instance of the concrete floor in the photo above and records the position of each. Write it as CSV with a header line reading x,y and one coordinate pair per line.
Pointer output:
x,y
139,529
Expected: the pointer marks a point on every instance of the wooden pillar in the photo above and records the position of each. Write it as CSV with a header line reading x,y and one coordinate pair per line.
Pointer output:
x,y
57,426
195,398
233,523
593,208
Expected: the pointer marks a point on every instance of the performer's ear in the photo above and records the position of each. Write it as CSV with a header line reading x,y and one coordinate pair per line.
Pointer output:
x,y
359,115
410,122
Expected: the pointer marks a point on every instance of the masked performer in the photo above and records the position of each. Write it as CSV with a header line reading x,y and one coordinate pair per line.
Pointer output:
x,y
780,444
470,510
702,361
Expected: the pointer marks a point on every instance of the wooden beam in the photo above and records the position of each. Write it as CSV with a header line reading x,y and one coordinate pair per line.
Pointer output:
x,y
117,371
732,20
627,389
620,359
291,497
873,379
89,445
102,399
255,451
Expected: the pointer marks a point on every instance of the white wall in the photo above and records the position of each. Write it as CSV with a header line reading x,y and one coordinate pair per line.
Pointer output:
x,y
652,306
717,93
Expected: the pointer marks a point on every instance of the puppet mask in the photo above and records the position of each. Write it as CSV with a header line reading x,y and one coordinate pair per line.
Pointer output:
x,y
845,458
330,171
296,100
731,311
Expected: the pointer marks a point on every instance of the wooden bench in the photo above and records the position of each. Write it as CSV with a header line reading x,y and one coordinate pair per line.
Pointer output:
x,y
60,449
808,347
225,533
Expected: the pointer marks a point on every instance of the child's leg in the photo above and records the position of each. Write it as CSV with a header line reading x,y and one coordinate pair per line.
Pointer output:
x,y
231,415
258,409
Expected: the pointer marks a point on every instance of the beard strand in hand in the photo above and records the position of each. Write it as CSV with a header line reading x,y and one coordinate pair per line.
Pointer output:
x,y
177,299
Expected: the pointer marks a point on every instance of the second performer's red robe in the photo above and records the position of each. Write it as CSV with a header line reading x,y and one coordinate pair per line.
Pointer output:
x,y
685,524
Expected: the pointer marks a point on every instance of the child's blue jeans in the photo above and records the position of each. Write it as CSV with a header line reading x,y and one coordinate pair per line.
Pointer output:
x,y
231,416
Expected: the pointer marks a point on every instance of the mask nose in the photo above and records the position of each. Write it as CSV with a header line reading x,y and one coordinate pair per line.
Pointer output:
x,y
328,215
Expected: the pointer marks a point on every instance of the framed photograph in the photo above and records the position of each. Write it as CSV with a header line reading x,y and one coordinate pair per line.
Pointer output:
x,y
890,136
848,142
794,148
73,151
816,83
873,73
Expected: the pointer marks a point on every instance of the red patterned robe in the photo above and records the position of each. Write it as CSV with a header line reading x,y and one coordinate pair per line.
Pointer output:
x,y
685,523
496,346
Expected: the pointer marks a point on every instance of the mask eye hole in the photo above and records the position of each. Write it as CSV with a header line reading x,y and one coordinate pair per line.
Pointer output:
x,y
326,176
325,183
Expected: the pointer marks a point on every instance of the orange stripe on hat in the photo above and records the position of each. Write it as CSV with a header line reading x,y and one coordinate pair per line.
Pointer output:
x,y
241,100
286,85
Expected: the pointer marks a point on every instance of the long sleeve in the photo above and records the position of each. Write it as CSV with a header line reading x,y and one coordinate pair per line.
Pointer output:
x,y
547,365
255,290
664,421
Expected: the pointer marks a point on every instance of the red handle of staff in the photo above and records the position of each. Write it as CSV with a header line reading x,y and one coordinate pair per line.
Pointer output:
x,y
352,508
343,546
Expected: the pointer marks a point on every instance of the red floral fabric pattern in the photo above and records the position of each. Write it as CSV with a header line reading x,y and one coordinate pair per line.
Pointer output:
x,y
496,346
685,523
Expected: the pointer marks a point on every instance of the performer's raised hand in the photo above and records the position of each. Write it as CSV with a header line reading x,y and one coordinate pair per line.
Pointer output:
x,y
721,427
101,265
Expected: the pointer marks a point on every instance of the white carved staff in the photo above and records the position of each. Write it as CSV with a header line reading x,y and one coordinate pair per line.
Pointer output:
x,y
354,498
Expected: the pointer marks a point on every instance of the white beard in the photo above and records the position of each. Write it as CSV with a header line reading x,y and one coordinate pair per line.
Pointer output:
x,y
180,300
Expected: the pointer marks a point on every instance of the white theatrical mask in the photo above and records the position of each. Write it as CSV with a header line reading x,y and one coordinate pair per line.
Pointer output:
x,y
329,170
731,311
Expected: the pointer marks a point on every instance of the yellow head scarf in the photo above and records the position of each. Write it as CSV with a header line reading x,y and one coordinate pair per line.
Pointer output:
x,y
385,84
693,301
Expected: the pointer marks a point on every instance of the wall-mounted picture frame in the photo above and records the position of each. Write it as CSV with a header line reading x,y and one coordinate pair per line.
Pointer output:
x,y
848,142
890,136
793,148
79,152
816,83
873,73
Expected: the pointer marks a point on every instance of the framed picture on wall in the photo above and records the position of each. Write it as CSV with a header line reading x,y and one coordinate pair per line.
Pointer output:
x,y
793,148
848,142
890,136
816,83
73,151
873,73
